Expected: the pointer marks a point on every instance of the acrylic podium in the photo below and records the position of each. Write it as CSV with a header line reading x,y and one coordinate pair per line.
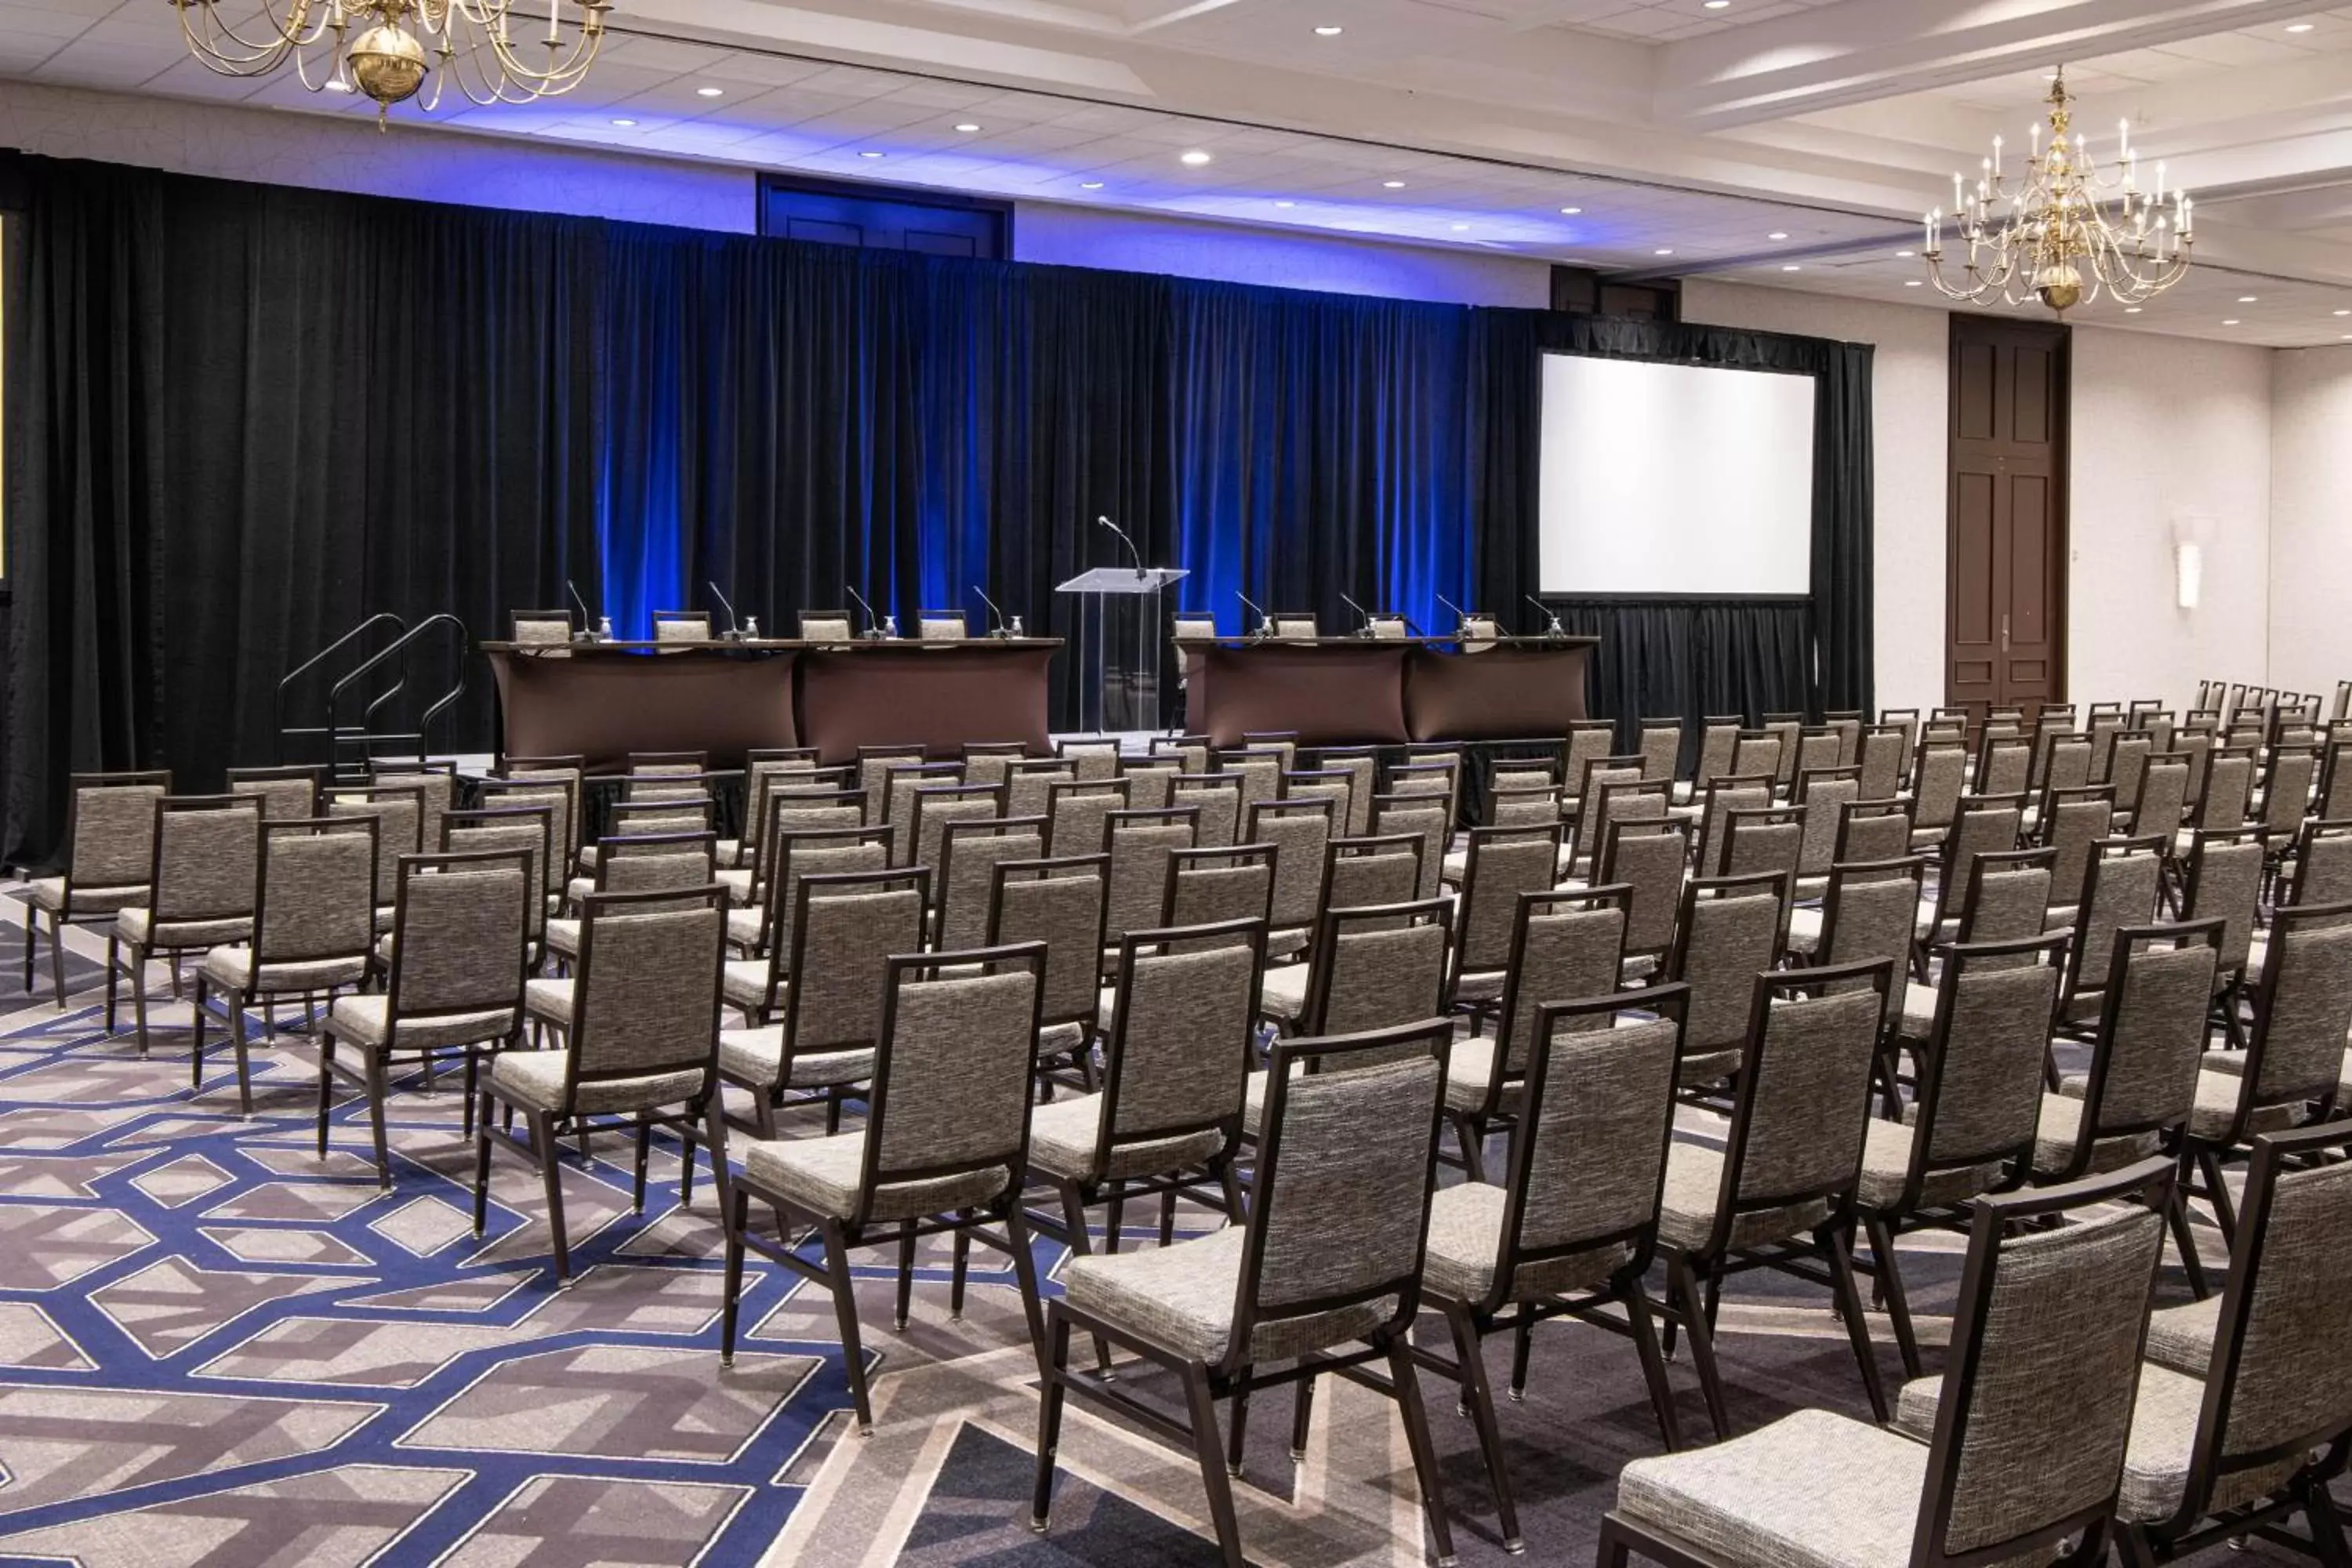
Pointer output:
x,y
1101,590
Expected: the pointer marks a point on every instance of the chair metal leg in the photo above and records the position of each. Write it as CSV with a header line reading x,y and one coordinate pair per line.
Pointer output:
x,y
643,1153
1302,1415
1480,1397
1407,1379
2225,1212
1073,1221
2177,1212
960,1267
32,942
1837,1241
481,1164
1025,1272
905,1277
1236,1432
1168,1217
1644,1324
1887,1274
139,998
236,1001
1523,1345
1202,1408
113,975
845,1313
58,957
1685,1281
379,1090
543,1143
735,1217
1056,1353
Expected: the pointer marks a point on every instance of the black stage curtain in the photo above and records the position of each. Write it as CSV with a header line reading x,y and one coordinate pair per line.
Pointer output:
x,y
241,418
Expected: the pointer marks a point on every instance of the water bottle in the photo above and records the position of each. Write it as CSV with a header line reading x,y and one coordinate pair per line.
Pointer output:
x,y
750,628
604,629
889,626
1015,629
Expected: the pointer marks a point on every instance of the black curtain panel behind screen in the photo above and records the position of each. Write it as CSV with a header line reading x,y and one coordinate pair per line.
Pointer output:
x,y
241,418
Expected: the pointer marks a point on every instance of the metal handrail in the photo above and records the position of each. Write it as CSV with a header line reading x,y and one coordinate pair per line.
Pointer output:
x,y
400,646
277,704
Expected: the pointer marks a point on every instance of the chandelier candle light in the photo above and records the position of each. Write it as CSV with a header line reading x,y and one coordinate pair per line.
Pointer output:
x,y
494,50
2065,232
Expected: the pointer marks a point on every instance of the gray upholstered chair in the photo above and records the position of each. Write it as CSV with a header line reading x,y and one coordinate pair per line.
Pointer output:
x,y
1647,857
1370,967
846,925
1573,1226
530,828
1385,869
1659,744
938,807
1422,817
968,855
681,625
1823,794
2068,821
1885,748
2007,899
1975,1109
1062,904
1498,865
313,931
1079,814
1362,766
1215,801
1728,934
1939,776
826,627
642,1048
991,761
790,807
1174,1061
2027,1456
1430,768
874,766
1294,623
284,791
1210,886
1029,784
1300,832
1565,945
1190,752
1093,761
1780,1194
399,811
756,985
1259,770
941,1149
1873,830
905,786
540,628
1588,740
2120,889
940,626
436,784
1336,784
109,854
1149,781
1855,916
2224,882
1722,796
638,863
559,792
1478,632
455,980
1982,825
203,884
1325,1277
1140,843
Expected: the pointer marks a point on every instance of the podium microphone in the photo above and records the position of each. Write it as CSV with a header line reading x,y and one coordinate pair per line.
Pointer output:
x,y
1555,629
872,630
996,615
587,632
1265,621
1132,554
734,622
1366,629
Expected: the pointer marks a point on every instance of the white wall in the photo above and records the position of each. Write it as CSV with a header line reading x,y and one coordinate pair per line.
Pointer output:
x,y
2311,519
1909,393
2166,432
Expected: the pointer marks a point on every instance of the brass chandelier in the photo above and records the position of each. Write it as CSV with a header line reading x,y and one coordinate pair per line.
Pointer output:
x,y
2067,232
496,51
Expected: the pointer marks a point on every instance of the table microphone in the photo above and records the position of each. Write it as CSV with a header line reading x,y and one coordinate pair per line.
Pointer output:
x,y
1555,629
1264,622
734,622
996,615
859,600
587,632
1366,629
1132,554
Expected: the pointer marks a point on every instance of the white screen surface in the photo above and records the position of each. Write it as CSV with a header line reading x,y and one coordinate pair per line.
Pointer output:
x,y
1674,478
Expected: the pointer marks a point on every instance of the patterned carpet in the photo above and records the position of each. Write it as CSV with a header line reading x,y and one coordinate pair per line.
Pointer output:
x,y
216,1349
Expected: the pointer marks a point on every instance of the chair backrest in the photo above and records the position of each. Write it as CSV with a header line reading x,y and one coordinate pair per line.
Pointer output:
x,y
1872,910
1586,740
1601,775
1660,745
2120,892
459,922
1513,804
1939,776
111,830
1376,966
681,625
1823,794
1294,623
318,890
874,766
647,990
845,927
2009,897
940,626
988,761
2322,864
1646,859
658,862
2225,882
792,809
1211,886
1421,816
287,792
1336,784
1846,725
2288,791
539,627
1361,765
2160,804
969,852
1149,781
1093,761
1803,1102
400,827
1178,1053
812,852
1873,830
1985,824
1905,720
906,782
1358,872
1788,729
206,870
1619,800
1884,749
2065,762
2152,1022
1718,743
1502,863
1029,784
560,793
528,828
951,1091
1259,769
1980,1093
1428,767
1763,839
1730,792
1588,1159
1191,752
1060,903
2303,1009
938,807
1346,1160
1564,945
2004,765
2128,755
826,627
1730,932
2279,1386
1140,843
2070,822
1215,801
2036,1409
1301,834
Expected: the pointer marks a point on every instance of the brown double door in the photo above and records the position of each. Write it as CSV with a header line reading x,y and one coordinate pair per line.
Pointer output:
x,y
2005,570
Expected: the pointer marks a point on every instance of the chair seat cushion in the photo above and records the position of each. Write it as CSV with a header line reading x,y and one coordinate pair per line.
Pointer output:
x,y
1455,866
744,925
2181,1338
535,1078
820,1176
49,895
1182,1298
755,1057
1702,1067
1063,1134
1283,994
737,883
1465,1239
2061,1125
563,937
231,969
2216,1110
1918,1020
1469,1068
1060,1039
1805,928
1480,986
2156,1457
577,889
549,999
1886,1166
137,927
1759,1497
1288,942
1695,1183
746,984
367,1021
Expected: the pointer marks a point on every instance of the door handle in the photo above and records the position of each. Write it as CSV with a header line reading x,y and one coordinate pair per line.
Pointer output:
x,y
2004,631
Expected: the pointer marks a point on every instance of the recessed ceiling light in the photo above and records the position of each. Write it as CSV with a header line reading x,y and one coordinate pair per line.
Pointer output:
x,y
2300,27
2131,309
1329,30
337,84
2346,338
869,153
1391,185
1915,283
1461,228
967,128
1090,185
709,92
2246,299
625,124
1570,212
1285,204
1718,4
1778,234
1195,158
1905,255
2229,321
1666,252
2344,313
1793,266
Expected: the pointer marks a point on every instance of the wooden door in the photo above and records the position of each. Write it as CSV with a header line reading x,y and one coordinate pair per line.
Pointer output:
x,y
2005,621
